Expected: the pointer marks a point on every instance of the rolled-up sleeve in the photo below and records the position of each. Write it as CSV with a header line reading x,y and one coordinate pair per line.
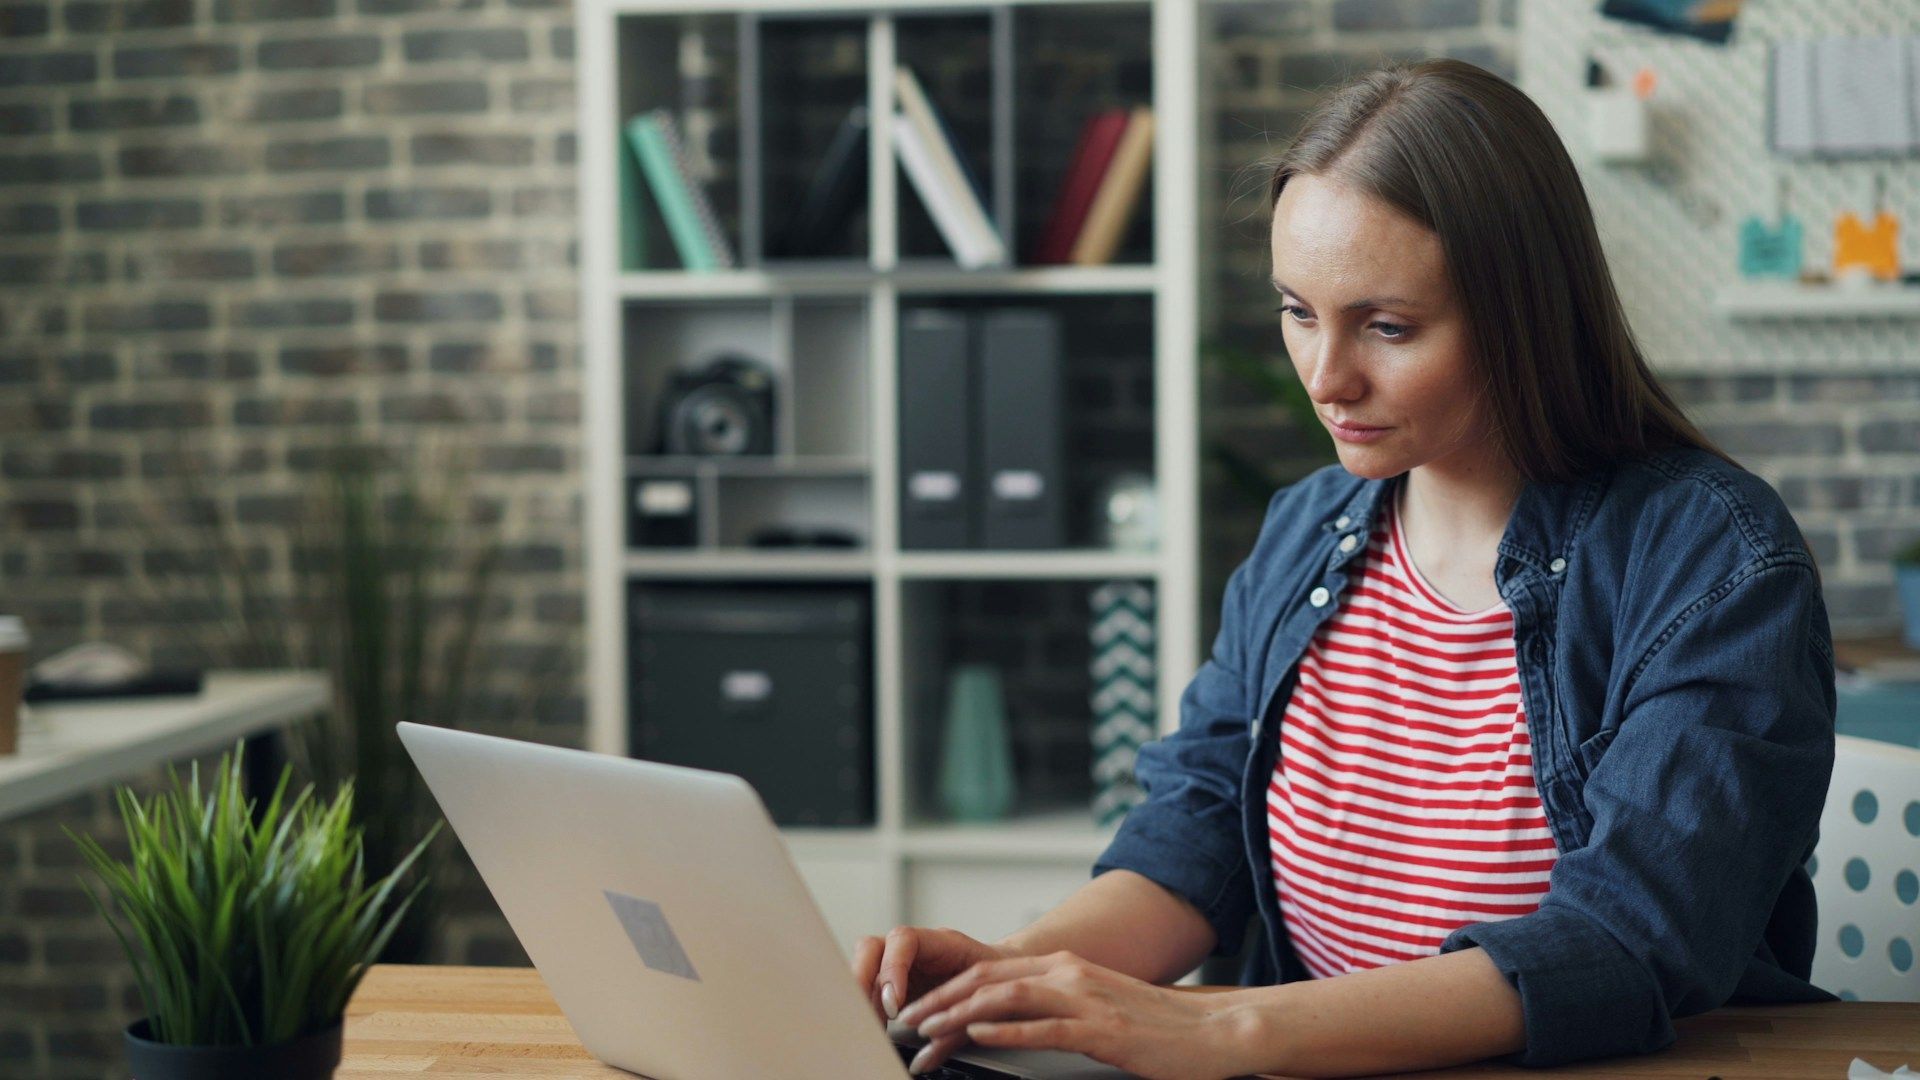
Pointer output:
x,y
1703,803
1186,834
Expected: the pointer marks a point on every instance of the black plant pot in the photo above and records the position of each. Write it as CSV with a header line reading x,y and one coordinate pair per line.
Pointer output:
x,y
313,1056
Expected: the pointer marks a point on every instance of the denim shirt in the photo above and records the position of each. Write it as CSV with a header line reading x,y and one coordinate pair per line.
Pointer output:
x,y
1676,665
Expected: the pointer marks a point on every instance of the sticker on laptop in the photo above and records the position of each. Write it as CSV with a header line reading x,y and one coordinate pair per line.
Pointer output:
x,y
647,927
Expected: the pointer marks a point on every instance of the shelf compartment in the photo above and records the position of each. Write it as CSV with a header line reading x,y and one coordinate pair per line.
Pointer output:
x,y
1080,60
755,564
1106,427
962,61
747,505
1035,635
811,75
688,64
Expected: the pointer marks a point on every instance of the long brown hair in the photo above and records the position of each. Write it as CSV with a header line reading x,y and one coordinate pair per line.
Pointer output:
x,y
1468,155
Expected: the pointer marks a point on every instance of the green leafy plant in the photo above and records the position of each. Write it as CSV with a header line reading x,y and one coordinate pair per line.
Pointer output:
x,y
1271,382
244,928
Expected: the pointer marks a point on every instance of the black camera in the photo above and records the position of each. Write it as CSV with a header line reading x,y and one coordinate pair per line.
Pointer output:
x,y
723,409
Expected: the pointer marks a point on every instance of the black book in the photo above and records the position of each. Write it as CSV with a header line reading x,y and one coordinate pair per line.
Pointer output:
x,y
831,194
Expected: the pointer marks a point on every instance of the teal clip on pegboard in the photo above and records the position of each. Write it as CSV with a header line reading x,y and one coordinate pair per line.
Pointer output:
x,y
1772,252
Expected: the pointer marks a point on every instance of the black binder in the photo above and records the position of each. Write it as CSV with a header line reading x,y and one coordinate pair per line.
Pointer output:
x,y
1021,494
936,443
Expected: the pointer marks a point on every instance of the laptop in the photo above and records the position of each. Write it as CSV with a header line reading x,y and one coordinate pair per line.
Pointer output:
x,y
661,906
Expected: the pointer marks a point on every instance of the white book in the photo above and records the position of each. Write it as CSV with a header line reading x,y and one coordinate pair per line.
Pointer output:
x,y
912,151
919,115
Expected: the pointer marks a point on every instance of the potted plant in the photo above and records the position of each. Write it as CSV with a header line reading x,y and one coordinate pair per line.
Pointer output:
x,y
247,927
1906,574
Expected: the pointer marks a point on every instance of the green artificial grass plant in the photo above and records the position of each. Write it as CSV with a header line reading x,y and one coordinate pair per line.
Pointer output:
x,y
245,926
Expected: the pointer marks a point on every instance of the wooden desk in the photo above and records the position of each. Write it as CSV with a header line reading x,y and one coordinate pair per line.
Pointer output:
x,y
466,1021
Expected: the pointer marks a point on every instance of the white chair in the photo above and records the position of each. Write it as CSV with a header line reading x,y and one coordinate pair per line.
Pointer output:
x,y
1866,874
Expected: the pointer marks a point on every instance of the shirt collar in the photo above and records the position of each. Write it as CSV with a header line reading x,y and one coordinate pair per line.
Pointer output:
x,y
1546,517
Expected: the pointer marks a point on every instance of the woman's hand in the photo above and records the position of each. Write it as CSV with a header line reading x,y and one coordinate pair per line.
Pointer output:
x,y
911,960
1061,1002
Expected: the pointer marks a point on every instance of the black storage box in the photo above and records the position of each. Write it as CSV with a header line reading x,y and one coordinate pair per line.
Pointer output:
x,y
769,682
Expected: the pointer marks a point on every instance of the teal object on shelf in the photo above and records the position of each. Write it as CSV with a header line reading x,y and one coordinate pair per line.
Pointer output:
x,y
1882,710
1906,577
976,764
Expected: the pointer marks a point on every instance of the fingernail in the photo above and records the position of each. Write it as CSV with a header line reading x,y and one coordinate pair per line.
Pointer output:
x,y
931,1022
890,1001
919,1062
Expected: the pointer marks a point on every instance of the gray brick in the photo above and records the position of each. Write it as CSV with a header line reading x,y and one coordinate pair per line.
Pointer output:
x,y
552,305
46,68
545,202
24,119
414,98
195,264
291,311
333,258
200,364
477,253
354,358
176,61
566,608
55,167
560,42
271,509
1315,69
558,407
182,159
1890,436
256,411
523,458
119,16
472,149
47,995
273,11
296,208
1495,58
465,43
51,463
1879,543
1842,492
54,268
155,315
1262,18
339,152
121,215
67,562
1404,14
441,407
408,7
42,514
15,949
1824,542
150,415
412,306
1719,389
89,365
133,112
541,96
67,950
1851,602
20,368
1768,437
21,21
24,219
320,51
423,204
1853,388
303,103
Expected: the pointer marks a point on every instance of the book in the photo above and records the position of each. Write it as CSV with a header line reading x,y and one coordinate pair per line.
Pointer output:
x,y
832,191
1115,204
633,209
942,202
1092,152
948,174
689,215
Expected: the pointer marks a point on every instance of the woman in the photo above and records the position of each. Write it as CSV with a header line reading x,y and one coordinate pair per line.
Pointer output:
x,y
1519,722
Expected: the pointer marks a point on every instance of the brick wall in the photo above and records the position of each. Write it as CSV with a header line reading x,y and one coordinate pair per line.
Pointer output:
x,y
229,228
245,222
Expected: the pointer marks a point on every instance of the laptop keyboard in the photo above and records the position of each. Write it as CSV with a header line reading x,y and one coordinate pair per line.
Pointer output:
x,y
953,1070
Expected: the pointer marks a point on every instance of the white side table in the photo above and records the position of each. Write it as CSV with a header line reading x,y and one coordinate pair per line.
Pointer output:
x,y
76,746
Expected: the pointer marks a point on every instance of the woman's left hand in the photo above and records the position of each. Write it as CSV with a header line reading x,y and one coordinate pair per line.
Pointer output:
x,y
1062,1002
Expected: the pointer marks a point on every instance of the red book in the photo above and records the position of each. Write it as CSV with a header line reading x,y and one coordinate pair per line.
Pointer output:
x,y
1092,153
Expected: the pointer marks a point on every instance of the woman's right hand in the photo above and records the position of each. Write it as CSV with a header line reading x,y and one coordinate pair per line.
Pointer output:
x,y
911,960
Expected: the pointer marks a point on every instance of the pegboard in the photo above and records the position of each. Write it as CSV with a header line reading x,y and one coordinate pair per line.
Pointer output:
x,y
1670,227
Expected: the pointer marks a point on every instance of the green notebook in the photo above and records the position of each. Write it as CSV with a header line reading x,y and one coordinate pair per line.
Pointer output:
x,y
634,209
670,190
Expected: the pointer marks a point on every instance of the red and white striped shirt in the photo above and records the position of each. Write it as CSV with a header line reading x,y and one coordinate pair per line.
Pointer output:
x,y
1402,805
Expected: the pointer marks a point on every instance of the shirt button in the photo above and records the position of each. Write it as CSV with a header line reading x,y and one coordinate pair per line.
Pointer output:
x,y
1349,542
1342,522
1318,597
1557,565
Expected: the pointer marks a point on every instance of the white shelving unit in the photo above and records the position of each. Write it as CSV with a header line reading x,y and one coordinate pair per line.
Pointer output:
x,y
1774,300
985,880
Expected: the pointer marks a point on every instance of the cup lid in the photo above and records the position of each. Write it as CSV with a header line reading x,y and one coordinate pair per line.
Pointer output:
x,y
13,632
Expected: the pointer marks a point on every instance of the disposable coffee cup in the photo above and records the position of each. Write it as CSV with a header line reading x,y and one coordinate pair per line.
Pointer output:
x,y
13,680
